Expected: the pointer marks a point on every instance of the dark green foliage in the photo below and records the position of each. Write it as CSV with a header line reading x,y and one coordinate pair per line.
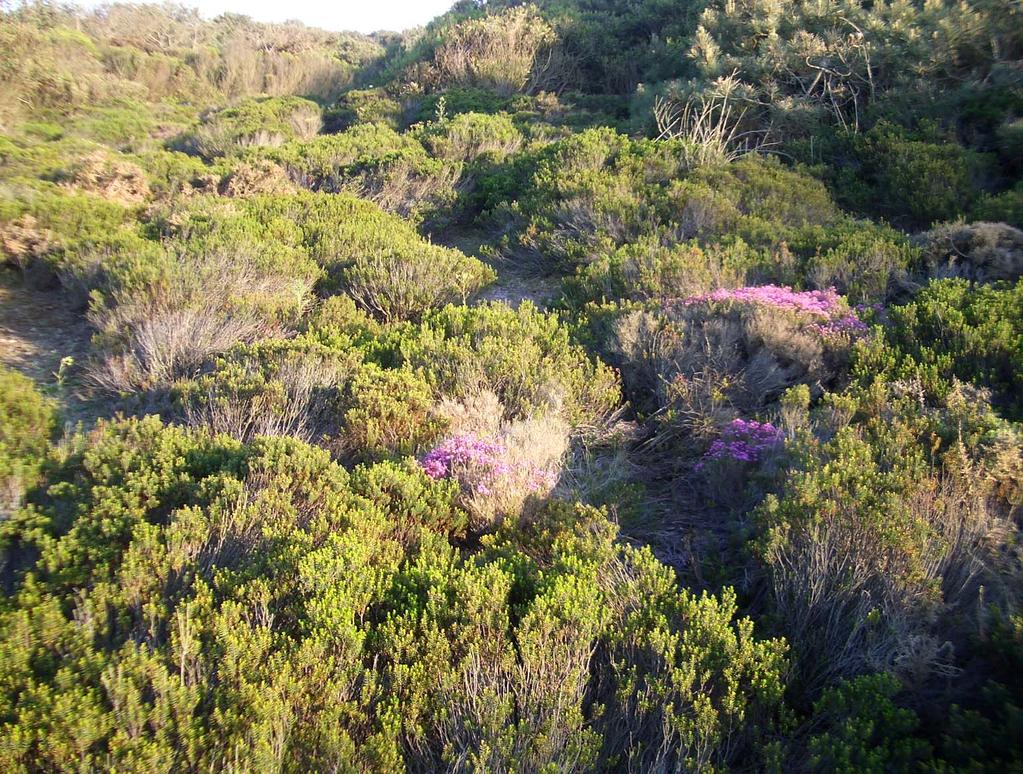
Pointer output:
x,y
913,179
867,732
1005,207
368,106
462,99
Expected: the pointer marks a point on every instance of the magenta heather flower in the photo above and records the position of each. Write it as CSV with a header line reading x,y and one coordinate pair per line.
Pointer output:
x,y
478,465
484,467
836,318
464,451
821,303
743,441
847,325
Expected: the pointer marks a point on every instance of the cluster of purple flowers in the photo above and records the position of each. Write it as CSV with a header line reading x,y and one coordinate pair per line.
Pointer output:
x,y
847,325
838,319
821,303
464,453
479,465
744,440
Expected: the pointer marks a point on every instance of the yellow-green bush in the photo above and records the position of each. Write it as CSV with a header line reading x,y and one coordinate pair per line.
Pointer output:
x,y
297,596
254,123
27,422
524,356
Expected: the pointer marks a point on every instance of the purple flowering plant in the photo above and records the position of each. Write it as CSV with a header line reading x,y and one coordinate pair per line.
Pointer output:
x,y
834,317
480,466
743,440
475,462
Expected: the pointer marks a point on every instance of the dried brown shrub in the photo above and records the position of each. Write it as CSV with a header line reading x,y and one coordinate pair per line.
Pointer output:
x,y
205,305
257,177
113,179
983,252
24,241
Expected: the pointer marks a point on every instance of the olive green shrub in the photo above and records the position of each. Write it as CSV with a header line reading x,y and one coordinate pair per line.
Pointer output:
x,y
254,123
27,421
376,258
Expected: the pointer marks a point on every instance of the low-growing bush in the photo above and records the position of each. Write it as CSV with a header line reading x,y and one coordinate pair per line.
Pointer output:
x,y
523,356
303,606
27,422
270,121
973,332
369,106
387,412
734,350
865,261
1006,207
885,545
375,257
374,162
646,271
597,191
503,52
209,287
469,136
274,388
126,125
317,393
913,178
863,729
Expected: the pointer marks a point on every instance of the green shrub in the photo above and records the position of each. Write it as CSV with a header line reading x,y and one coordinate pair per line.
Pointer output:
x,y
270,121
375,162
502,52
388,412
293,595
910,177
27,422
648,271
219,278
318,393
1006,207
469,136
863,260
51,231
597,190
523,356
972,332
42,130
369,106
172,173
866,730
125,126
375,257
465,99
881,510
594,190
925,181
273,388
